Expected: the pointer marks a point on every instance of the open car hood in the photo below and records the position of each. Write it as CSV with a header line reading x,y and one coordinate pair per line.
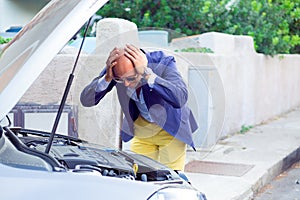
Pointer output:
x,y
33,48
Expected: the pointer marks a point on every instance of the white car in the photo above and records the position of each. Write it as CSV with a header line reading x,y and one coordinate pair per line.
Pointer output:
x,y
40,165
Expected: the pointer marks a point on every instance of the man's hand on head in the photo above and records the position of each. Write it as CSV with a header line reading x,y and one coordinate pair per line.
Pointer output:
x,y
111,62
138,58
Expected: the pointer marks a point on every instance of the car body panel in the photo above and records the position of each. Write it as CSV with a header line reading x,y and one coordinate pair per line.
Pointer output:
x,y
29,184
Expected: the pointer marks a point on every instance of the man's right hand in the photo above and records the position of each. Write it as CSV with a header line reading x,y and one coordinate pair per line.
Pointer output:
x,y
110,63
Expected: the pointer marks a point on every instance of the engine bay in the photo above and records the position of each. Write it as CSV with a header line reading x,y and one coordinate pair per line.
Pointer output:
x,y
77,155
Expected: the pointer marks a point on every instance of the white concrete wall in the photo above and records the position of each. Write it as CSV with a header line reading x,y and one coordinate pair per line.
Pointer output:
x,y
255,88
18,12
244,88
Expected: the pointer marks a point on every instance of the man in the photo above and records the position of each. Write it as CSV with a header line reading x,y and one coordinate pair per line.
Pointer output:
x,y
153,98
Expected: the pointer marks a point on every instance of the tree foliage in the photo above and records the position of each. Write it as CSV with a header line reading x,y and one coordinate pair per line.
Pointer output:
x,y
274,24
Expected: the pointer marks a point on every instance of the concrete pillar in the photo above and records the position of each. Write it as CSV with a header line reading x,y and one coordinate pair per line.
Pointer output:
x,y
222,43
114,32
101,123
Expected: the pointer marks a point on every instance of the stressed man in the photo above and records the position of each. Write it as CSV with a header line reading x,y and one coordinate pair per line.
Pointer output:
x,y
153,98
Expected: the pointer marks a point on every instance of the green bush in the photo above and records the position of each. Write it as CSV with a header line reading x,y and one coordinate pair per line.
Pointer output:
x,y
194,49
274,25
4,40
271,24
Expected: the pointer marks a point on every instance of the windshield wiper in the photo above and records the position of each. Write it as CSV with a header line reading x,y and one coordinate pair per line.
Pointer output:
x,y
67,89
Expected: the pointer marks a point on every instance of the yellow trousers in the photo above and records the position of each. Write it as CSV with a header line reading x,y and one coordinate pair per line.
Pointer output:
x,y
154,142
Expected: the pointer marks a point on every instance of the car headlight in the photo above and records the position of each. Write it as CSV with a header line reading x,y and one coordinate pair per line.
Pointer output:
x,y
177,194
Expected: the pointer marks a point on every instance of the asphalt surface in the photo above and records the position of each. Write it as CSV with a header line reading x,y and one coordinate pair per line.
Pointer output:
x,y
286,186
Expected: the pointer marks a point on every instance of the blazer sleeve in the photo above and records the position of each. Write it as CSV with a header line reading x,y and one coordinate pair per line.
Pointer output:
x,y
170,84
90,96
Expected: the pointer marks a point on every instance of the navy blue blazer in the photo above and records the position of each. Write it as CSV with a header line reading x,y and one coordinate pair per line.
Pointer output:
x,y
166,100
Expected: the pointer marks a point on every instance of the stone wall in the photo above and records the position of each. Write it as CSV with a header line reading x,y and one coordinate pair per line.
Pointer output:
x,y
255,88
245,88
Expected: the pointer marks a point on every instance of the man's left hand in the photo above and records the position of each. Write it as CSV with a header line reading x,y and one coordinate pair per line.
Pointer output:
x,y
138,58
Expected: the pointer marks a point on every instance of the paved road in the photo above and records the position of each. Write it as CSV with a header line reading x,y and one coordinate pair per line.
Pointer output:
x,y
285,187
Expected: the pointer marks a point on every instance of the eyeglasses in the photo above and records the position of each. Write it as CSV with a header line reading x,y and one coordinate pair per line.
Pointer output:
x,y
128,79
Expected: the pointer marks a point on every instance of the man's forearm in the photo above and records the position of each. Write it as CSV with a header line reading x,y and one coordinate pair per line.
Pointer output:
x,y
174,94
94,92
